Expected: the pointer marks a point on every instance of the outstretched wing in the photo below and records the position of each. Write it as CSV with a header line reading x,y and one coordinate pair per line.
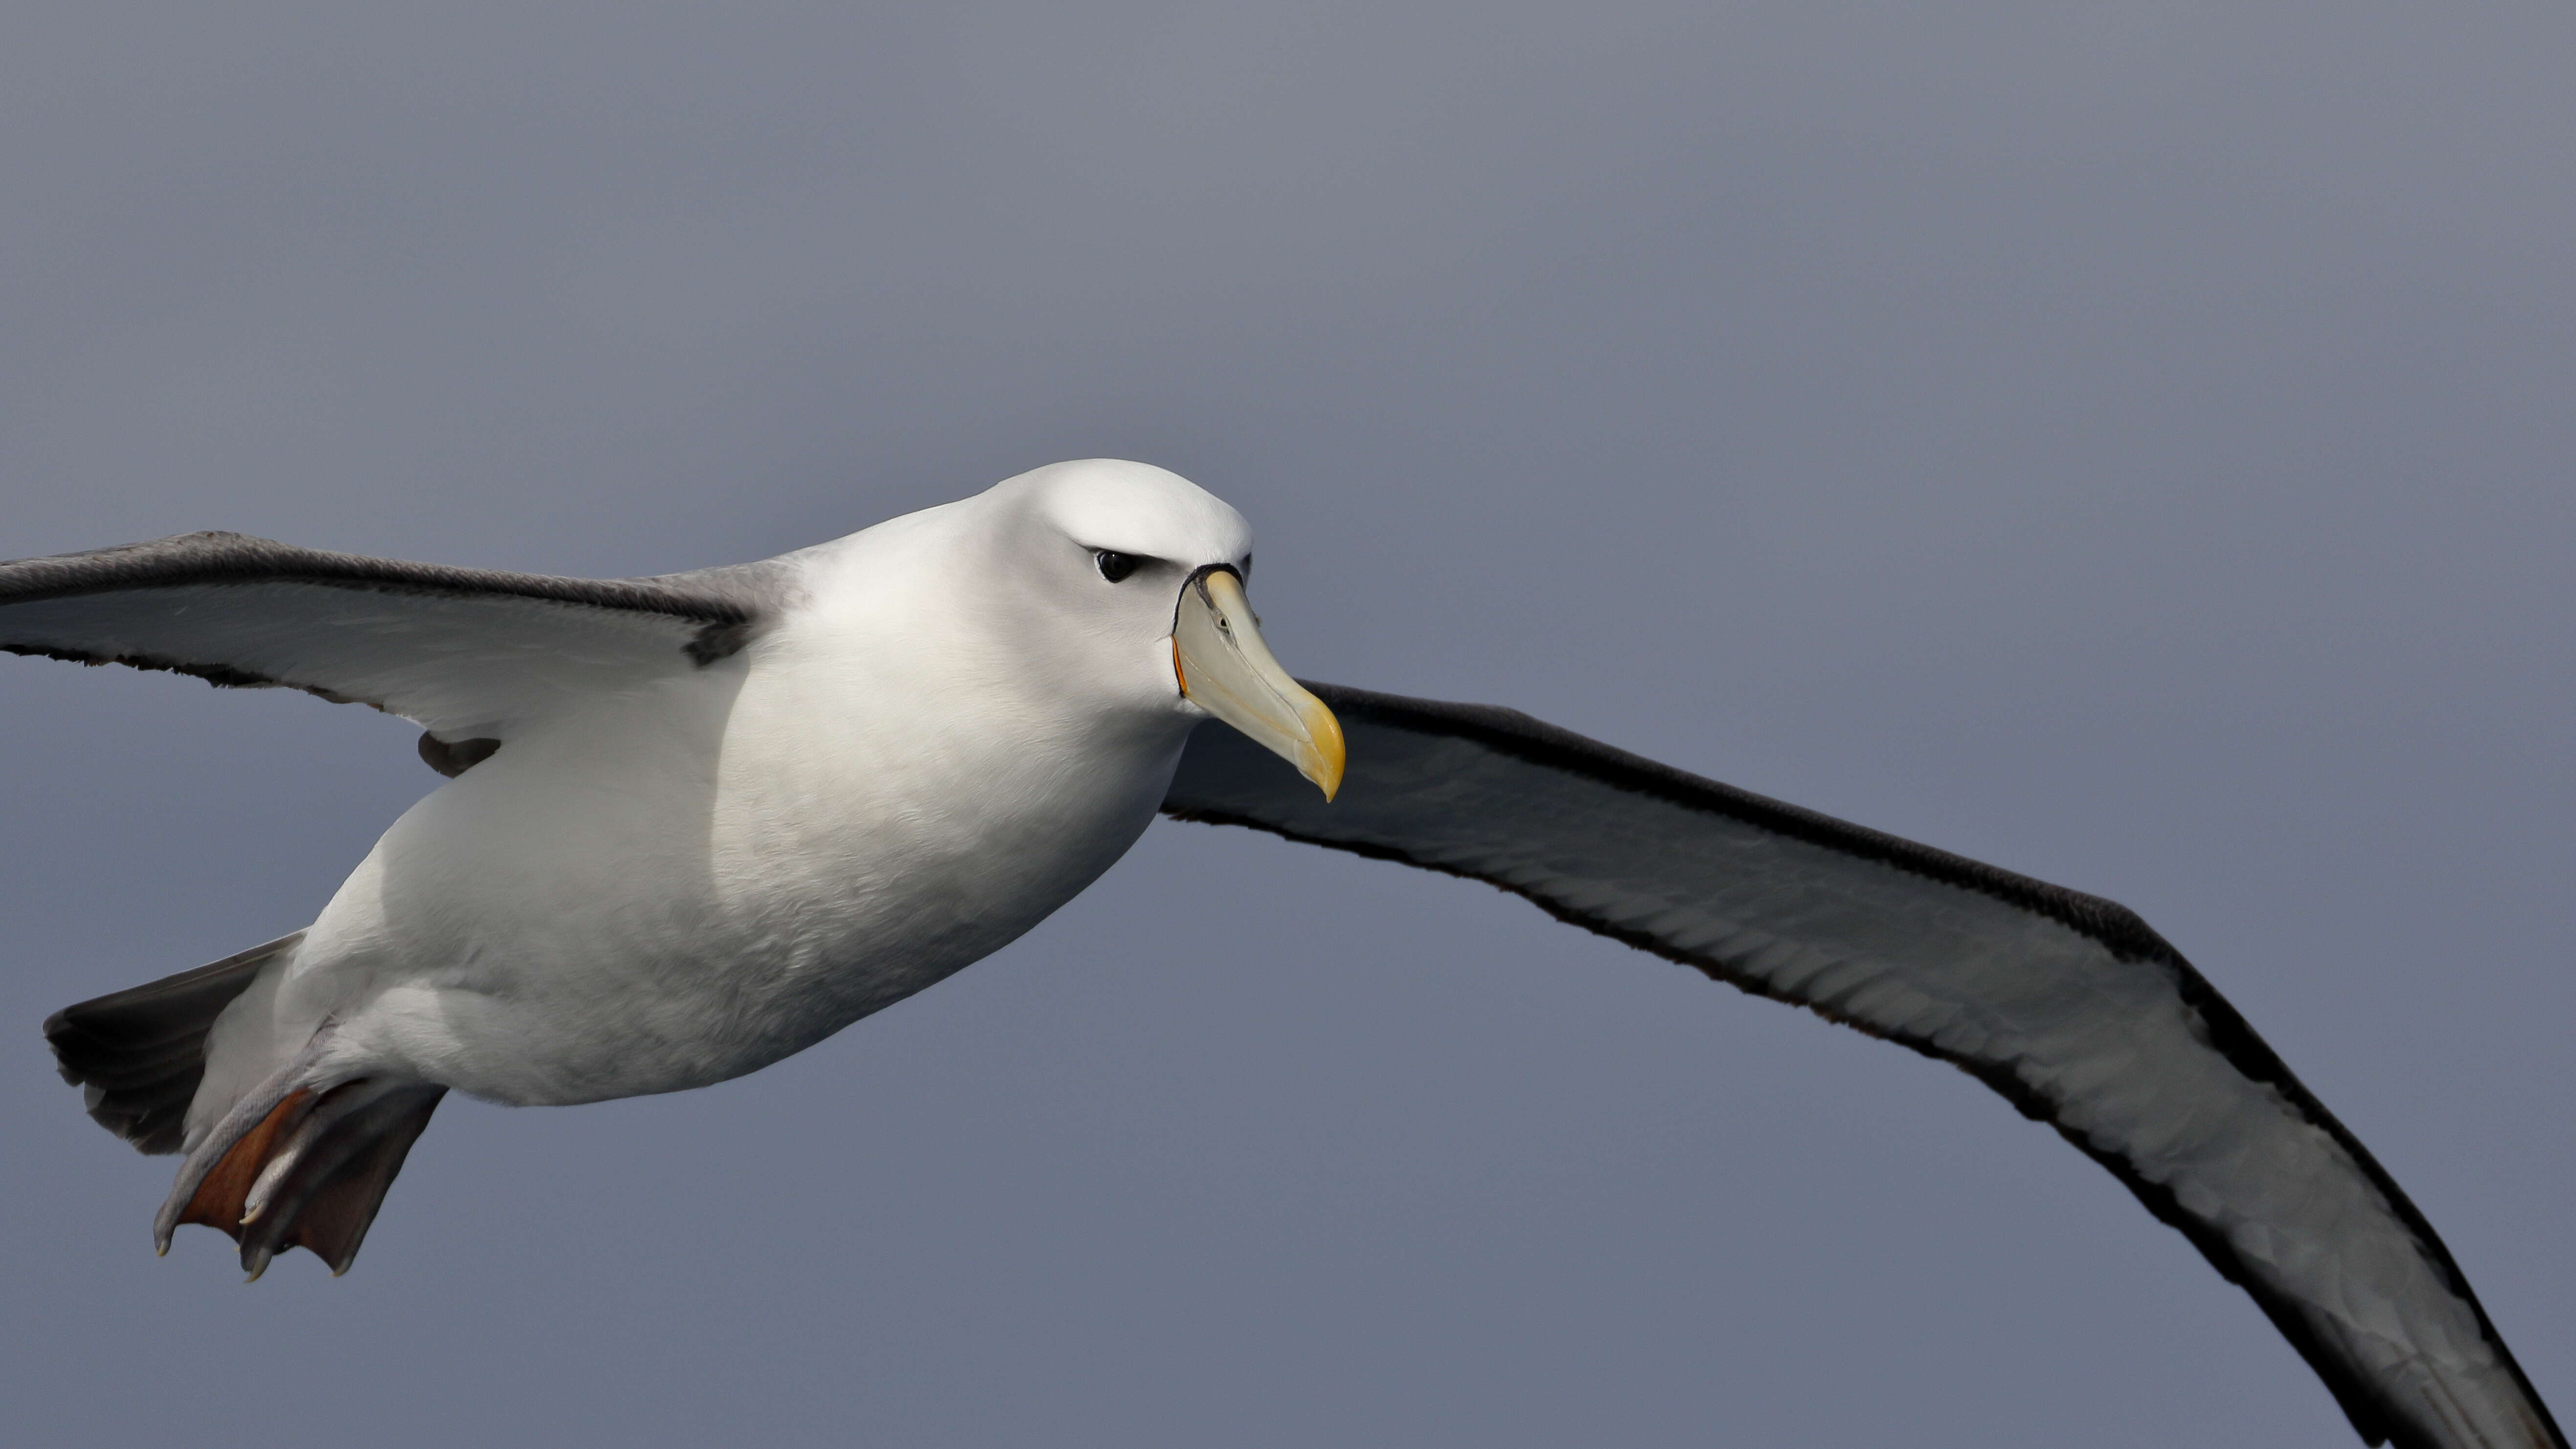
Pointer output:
x,y
466,652
2068,1005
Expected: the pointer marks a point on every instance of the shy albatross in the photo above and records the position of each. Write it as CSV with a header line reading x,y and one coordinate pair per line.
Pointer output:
x,y
698,822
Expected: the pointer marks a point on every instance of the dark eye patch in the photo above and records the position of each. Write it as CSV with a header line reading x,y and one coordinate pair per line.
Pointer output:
x,y
1115,565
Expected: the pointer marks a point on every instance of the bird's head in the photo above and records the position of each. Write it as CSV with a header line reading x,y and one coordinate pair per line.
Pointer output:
x,y
1133,577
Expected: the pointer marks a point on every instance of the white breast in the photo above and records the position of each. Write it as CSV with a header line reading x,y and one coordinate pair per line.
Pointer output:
x,y
686,882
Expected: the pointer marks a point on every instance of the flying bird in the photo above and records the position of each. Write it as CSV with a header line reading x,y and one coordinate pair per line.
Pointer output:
x,y
699,822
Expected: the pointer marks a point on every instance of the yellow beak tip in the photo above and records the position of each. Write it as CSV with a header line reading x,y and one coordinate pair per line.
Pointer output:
x,y
1327,755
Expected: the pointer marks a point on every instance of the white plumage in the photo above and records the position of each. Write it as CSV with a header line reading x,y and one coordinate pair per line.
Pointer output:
x,y
953,725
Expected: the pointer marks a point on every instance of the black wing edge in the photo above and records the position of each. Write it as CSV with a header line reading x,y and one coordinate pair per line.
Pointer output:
x,y
725,623
2116,927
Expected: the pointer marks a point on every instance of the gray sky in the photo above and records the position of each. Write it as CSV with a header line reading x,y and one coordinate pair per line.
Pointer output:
x,y
2129,443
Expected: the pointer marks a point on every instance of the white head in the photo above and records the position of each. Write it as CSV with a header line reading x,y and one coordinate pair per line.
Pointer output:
x,y
1117,588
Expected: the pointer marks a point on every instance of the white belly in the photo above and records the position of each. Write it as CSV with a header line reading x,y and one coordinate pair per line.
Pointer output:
x,y
672,890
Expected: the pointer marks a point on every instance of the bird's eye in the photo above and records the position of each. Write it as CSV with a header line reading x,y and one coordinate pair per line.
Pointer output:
x,y
1114,565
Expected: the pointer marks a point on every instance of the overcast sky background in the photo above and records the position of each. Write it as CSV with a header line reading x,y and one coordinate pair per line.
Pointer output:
x,y
2130,443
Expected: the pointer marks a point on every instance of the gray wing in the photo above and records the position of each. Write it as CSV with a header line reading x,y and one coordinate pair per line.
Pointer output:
x,y
2068,1005
466,652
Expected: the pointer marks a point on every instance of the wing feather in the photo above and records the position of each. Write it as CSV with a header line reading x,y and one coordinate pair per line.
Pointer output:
x,y
466,652
2069,1006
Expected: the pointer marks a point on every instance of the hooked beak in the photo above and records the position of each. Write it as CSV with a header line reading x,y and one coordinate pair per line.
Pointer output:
x,y
1225,669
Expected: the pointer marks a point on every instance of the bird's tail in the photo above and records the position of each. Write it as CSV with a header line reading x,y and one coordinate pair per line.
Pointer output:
x,y
289,1165
138,1055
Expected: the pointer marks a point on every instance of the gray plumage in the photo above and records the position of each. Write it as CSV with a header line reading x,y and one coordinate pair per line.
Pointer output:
x,y
2068,1005
248,613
